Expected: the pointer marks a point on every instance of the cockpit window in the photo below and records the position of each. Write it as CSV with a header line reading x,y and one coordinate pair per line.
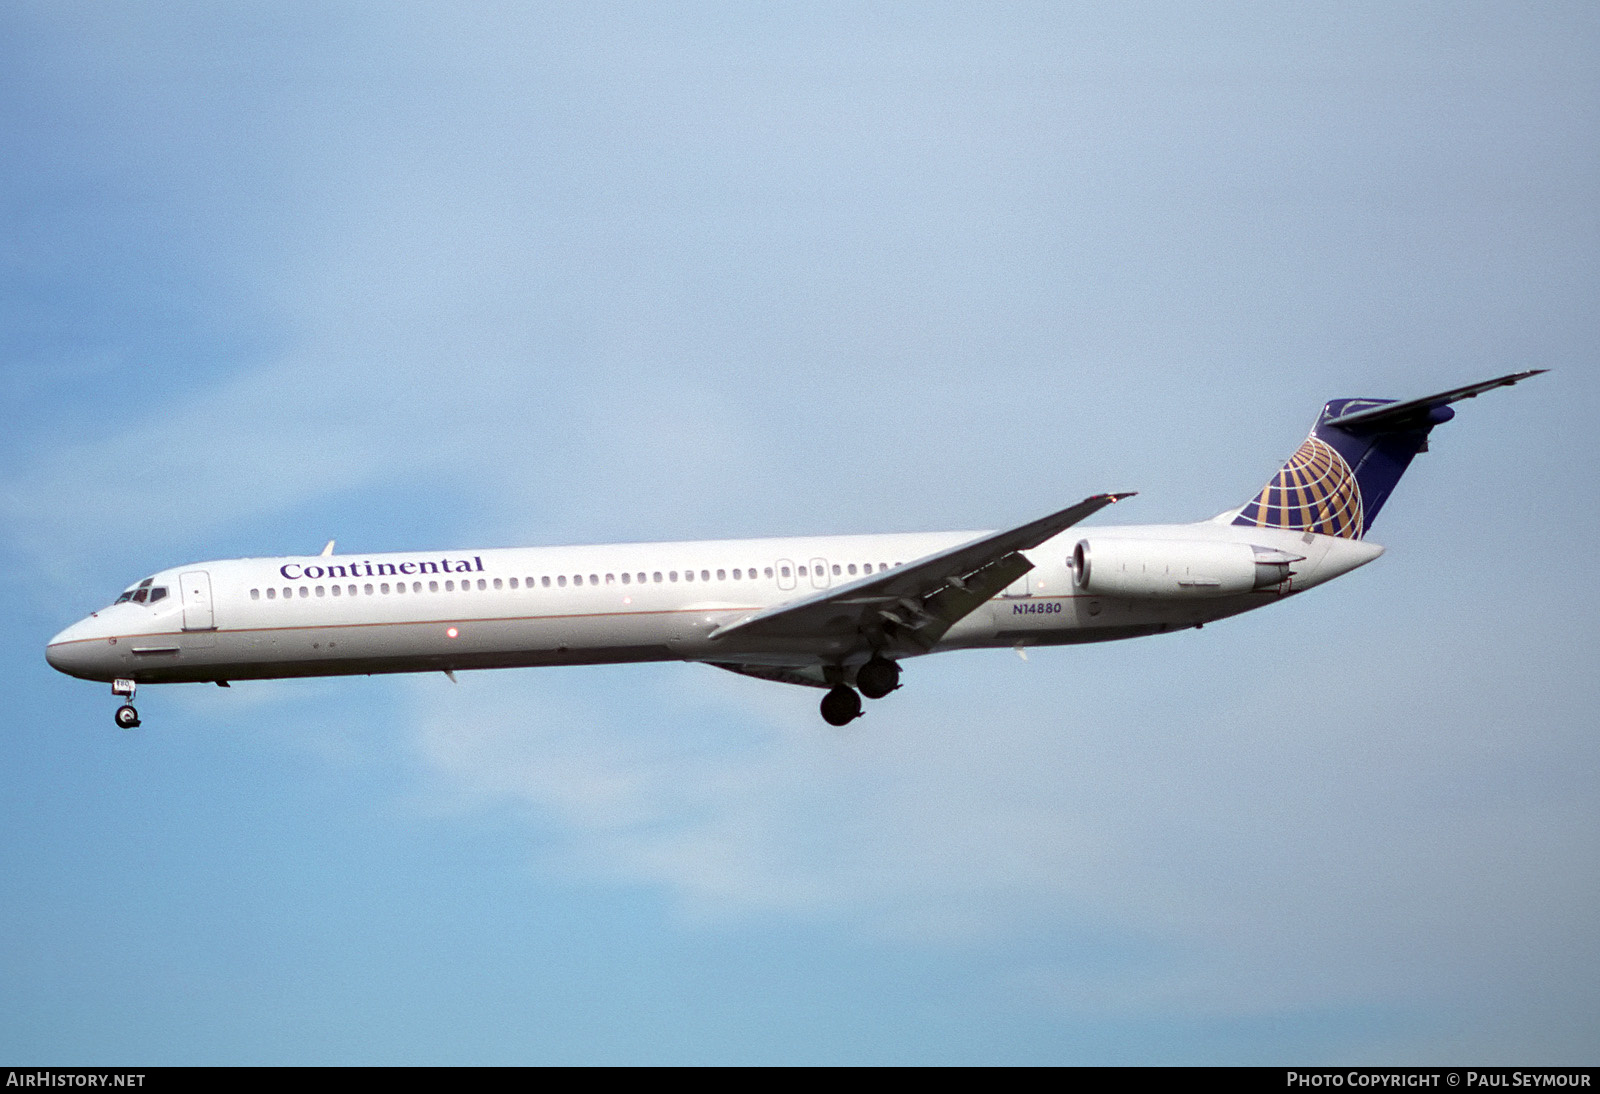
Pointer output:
x,y
146,592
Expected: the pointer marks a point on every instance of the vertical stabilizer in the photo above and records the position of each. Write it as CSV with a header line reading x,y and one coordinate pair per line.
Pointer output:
x,y
1339,478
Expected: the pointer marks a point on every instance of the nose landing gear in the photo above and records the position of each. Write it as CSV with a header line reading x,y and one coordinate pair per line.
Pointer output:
x,y
127,717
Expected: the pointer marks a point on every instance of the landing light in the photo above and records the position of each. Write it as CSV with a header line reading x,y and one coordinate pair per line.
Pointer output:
x,y
451,632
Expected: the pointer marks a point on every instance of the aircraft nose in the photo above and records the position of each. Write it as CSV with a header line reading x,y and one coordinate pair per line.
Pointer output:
x,y
75,651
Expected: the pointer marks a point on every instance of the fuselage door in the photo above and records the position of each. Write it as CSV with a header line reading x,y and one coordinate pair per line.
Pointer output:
x,y
785,573
819,573
197,613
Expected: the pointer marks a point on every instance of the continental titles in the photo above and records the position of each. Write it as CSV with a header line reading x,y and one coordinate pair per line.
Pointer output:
x,y
296,571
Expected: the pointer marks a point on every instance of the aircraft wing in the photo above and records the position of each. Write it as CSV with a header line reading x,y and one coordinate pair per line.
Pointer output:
x,y
916,603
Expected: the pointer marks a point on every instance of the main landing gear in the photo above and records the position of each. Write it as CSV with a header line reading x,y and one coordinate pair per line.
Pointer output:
x,y
877,678
841,706
127,717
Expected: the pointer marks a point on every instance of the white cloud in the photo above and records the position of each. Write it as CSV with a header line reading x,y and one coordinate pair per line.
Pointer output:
x,y
1223,861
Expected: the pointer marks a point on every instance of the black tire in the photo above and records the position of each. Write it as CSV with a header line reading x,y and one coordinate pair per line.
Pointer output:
x,y
878,677
841,706
127,717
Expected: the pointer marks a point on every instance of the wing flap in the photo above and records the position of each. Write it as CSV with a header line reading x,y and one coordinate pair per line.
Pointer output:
x,y
810,677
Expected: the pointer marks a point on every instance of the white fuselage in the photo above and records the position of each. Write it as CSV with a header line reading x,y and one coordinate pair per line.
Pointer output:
x,y
257,618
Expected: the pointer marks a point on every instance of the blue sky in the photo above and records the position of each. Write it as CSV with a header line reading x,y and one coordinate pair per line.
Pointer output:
x,y
421,277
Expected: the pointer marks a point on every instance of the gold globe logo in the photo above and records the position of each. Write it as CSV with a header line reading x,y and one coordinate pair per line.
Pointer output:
x,y
1315,492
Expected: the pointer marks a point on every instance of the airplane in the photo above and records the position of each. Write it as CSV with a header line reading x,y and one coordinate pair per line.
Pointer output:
x,y
839,613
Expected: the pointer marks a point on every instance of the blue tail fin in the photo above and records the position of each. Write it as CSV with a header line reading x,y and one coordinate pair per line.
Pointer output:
x,y
1339,478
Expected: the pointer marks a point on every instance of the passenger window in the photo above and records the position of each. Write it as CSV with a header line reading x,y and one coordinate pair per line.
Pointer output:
x,y
688,575
433,586
562,581
736,575
384,588
784,571
513,583
338,590
497,582
255,594
319,590
626,578
852,568
769,571
594,579
545,581
672,575
304,592
272,594
369,590
482,585
835,569
722,575
287,593
611,579
449,586
658,577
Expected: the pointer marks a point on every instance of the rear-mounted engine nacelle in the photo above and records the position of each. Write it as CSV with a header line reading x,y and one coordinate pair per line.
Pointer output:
x,y
1176,568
